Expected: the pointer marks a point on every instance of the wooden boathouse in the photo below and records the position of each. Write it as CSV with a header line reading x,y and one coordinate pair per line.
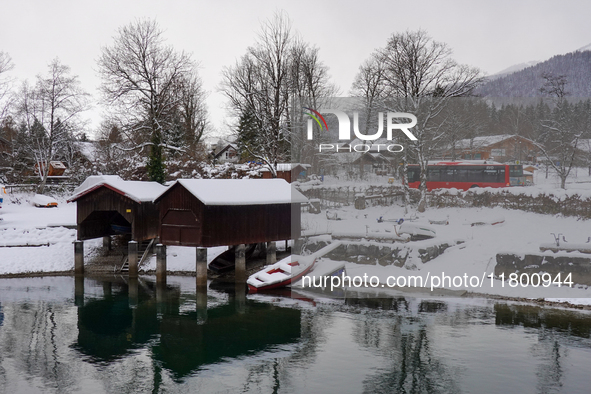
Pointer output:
x,y
224,212
107,205
220,212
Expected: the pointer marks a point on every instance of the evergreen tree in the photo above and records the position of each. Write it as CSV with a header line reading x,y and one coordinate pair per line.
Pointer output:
x,y
155,166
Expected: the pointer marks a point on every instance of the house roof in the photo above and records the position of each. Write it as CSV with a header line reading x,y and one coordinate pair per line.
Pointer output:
x,y
485,141
225,148
138,191
240,191
286,166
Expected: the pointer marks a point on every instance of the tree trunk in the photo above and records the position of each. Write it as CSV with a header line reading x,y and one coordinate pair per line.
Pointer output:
x,y
405,188
563,181
41,187
423,184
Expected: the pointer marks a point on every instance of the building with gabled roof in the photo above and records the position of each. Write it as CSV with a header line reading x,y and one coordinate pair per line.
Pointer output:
x,y
288,171
107,205
227,153
502,148
220,212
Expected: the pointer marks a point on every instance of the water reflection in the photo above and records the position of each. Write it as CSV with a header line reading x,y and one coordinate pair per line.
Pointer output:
x,y
120,335
129,315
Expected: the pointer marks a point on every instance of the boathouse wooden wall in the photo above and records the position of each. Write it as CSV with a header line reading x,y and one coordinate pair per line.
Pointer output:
x,y
143,217
186,221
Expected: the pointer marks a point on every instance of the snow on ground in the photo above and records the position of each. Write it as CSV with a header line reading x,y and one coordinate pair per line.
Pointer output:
x,y
182,258
521,233
24,224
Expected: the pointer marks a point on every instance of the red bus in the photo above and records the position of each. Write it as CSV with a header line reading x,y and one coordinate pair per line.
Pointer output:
x,y
467,175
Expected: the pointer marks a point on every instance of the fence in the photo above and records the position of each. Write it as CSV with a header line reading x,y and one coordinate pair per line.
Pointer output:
x,y
549,204
333,197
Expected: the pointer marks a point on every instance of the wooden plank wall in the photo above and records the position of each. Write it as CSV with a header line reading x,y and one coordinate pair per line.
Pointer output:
x,y
231,224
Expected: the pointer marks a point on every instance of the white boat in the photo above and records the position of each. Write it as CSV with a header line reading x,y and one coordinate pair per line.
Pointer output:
x,y
282,273
416,231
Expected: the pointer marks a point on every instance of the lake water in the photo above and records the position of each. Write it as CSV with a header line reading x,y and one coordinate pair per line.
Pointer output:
x,y
63,335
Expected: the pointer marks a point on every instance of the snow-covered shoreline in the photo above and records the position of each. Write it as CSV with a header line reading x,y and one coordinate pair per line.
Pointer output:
x,y
520,233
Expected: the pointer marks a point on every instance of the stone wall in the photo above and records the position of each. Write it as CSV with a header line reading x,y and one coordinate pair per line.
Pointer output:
x,y
579,266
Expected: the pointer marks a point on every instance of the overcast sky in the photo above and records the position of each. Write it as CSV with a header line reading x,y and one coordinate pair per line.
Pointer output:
x,y
491,35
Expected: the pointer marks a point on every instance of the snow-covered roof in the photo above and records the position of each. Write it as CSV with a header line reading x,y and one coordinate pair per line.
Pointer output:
x,y
451,162
242,191
136,190
483,141
286,166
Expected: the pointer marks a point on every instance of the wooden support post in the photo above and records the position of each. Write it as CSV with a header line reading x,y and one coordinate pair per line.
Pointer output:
x,y
79,290
161,297
161,263
240,297
107,242
133,292
107,289
201,267
201,304
298,245
132,258
271,253
240,270
79,257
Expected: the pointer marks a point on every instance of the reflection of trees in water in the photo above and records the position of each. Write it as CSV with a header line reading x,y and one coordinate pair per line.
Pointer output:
x,y
279,370
33,338
403,341
413,368
556,329
551,356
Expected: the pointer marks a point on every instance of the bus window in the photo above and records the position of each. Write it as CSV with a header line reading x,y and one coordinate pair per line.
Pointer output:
x,y
434,175
475,174
413,174
515,170
447,175
490,175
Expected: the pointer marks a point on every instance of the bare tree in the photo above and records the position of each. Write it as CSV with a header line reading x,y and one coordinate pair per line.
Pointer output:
x,y
563,129
554,85
269,85
50,110
147,83
259,85
420,78
311,88
191,107
369,85
5,84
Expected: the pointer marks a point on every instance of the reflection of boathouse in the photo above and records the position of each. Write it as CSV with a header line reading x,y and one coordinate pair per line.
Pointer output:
x,y
219,212
108,205
139,314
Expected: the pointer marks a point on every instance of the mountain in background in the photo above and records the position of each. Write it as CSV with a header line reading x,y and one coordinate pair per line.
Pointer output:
x,y
527,81
512,69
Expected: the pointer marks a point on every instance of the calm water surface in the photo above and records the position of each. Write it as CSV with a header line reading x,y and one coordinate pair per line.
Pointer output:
x,y
63,335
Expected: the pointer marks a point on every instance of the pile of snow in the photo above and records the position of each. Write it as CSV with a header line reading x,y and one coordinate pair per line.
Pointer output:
x,y
24,224
40,200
